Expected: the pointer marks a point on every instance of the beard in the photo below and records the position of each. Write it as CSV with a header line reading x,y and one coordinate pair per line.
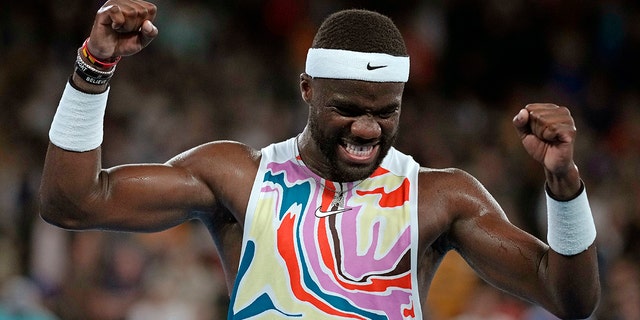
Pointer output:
x,y
338,169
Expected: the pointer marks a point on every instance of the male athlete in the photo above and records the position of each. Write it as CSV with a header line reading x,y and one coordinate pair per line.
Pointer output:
x,y
335,222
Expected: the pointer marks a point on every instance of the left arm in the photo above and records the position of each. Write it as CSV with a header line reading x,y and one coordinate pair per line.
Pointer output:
x,y
548,134
566,283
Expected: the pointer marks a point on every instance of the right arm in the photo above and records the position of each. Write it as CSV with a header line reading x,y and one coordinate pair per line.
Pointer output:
x,y
77,193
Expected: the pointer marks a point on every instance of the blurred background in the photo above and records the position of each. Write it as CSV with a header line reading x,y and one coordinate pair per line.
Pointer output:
x,y
229,70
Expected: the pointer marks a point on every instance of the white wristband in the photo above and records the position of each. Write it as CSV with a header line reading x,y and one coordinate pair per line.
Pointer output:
x,y
78,122
571,229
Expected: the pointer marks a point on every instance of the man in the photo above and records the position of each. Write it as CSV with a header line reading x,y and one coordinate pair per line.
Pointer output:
x,y
333,223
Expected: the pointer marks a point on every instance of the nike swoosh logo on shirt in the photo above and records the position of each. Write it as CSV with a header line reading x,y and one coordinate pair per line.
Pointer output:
x,y
321,214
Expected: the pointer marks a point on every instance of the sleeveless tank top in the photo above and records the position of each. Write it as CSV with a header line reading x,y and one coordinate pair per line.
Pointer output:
x,y
310,251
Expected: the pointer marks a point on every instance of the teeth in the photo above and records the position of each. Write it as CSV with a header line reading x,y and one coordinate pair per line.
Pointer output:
x,y
359,151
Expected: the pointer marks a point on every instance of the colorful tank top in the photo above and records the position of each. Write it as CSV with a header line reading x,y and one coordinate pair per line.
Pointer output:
x,y
310,252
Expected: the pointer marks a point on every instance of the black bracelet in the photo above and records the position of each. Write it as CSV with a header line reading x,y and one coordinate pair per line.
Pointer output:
x,y
90,78
91,74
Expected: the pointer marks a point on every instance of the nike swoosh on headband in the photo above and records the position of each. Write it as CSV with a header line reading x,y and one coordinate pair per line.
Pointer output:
x,y
370,67
322,214
346,64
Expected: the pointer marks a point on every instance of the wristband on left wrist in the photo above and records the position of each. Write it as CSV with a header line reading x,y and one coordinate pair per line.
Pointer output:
x,y
570,225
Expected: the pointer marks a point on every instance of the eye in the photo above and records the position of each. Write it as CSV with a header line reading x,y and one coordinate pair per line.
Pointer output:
x,y
385,114
345,111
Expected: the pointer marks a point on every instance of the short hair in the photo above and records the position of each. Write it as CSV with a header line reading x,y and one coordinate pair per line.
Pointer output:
x,y
362,31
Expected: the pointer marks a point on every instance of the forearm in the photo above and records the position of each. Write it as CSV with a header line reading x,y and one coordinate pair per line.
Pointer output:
x,y
69,181
572,266
72,166
574,285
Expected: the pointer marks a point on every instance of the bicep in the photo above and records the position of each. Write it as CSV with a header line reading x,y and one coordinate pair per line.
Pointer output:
x,y
75,193
148,197
501,253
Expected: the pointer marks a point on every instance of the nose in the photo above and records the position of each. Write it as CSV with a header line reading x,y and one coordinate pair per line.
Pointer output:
x,y
366,128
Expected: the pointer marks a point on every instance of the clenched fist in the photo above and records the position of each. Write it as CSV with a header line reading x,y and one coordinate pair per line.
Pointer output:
x,y
122,28
548,134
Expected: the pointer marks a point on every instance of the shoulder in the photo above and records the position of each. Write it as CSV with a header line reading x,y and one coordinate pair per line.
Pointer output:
x,y
220,164
216,154
459,192
226,168
443,191
449,182
449,197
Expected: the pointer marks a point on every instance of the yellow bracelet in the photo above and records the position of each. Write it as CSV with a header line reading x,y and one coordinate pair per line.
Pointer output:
x,y
95,61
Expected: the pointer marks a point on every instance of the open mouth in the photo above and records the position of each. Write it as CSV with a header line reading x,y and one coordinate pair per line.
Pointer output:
x,y
359,153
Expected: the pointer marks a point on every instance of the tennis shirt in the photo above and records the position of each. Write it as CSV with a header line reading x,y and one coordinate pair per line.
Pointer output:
x,y
317,249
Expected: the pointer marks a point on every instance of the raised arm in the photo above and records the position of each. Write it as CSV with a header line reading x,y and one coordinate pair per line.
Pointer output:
x,y
563,278
76,192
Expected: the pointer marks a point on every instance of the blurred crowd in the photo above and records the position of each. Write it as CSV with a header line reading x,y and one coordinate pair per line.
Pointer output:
x,y
229,70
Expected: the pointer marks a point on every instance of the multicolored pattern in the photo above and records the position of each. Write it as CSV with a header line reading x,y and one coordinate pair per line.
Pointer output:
x,y
352,265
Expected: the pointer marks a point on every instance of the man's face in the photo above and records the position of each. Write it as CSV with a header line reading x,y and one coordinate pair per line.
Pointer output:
x,y
352,125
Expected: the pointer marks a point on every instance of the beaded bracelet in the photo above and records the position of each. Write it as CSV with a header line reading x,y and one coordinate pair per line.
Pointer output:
x,y
90,74
95,61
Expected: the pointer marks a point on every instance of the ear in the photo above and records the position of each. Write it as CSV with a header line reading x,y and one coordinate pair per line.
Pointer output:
x,y
305,87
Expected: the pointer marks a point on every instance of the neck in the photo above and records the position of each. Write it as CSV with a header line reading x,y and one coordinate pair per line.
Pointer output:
x,y
311,154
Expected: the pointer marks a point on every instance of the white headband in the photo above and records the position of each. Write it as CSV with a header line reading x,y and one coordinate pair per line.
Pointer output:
x,y
354,65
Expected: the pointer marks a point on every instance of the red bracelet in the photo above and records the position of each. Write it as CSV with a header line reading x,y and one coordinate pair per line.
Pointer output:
x,y
95,61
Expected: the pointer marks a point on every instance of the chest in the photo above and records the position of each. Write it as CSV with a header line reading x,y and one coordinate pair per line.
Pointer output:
x,y
321,248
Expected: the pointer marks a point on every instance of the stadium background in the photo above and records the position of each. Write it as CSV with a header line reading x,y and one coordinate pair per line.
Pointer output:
x,y
229,70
